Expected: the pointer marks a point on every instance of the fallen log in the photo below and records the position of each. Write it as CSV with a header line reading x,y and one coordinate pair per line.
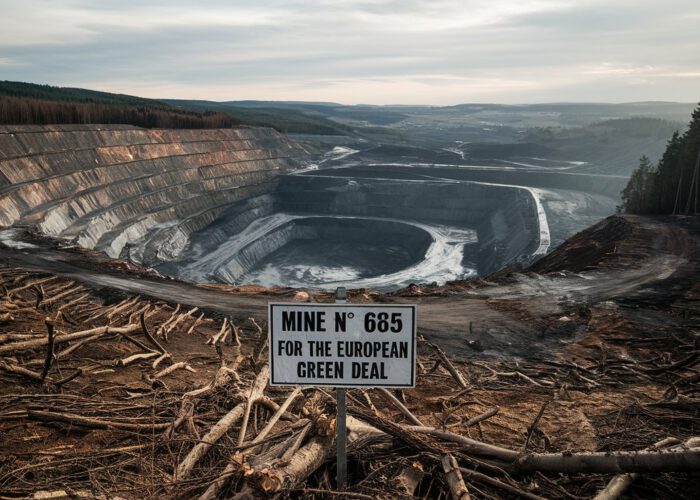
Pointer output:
x,y
619,484
600,462
52,416
454,478
609,462
285,475
185,468
306,460
60,339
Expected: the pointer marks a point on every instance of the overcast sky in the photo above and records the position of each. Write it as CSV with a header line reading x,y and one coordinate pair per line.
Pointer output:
x,y
356,51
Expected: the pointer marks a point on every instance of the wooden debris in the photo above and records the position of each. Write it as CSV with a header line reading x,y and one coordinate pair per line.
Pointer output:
x,y
453,477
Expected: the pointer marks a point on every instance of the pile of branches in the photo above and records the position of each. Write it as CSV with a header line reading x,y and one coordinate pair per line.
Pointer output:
x,y
108,399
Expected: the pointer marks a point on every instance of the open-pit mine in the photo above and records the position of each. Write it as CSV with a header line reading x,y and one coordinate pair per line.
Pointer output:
x,y
237,206
557,343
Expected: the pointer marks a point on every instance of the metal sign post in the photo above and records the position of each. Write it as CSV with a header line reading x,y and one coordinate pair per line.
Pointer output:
x,y
340,422
342,345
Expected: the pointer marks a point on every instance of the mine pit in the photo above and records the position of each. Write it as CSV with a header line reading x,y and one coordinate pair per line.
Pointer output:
x,y
237,206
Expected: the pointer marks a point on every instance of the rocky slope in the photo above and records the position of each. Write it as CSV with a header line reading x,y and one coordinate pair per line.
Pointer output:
x,y
131,191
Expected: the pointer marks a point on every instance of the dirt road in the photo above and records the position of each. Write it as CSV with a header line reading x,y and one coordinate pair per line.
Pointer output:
x,y
517,314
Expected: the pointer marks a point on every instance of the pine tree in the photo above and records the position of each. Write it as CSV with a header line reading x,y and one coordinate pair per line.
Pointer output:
x,y
635,196
674,186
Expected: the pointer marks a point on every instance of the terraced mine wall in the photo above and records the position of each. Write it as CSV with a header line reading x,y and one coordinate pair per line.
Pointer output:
x,y
607,185
505,218
130,191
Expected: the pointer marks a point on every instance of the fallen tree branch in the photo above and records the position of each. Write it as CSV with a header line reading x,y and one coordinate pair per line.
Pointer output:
x,y
454,478
174,367
20,370
136,357
52,416
49,349
456,374
407,413
499,484
479,418
60,339
148,335
185,468
619,484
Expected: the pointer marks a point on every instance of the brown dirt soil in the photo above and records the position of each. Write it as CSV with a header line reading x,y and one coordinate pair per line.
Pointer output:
x,y
589,350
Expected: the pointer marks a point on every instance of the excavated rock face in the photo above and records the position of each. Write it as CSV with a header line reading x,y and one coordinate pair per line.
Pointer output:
x,y
131,191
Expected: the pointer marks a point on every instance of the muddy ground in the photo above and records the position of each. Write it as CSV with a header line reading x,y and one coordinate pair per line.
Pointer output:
x,y
594,348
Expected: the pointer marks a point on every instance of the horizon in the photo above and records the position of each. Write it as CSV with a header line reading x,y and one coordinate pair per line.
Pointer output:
x,y
389,104
434,53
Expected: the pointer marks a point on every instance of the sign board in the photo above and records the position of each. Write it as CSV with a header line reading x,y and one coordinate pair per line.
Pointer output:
x,y
342,345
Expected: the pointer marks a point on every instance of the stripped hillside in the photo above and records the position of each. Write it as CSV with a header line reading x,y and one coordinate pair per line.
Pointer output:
x,y
122,188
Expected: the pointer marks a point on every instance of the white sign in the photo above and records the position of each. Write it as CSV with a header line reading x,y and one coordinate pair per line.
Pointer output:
x,y
342,345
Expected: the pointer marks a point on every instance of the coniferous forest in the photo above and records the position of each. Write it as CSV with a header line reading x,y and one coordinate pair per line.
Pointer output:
x,y
32,104
672,186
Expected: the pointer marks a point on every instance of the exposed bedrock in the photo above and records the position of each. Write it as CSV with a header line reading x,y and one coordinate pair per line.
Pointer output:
x,y
506,219
382,233
130,191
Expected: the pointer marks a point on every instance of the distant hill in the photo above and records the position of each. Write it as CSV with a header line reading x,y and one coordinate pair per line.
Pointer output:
x,y
32,104
69,94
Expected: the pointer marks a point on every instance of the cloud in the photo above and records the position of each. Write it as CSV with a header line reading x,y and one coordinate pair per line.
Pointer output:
x,y
412,51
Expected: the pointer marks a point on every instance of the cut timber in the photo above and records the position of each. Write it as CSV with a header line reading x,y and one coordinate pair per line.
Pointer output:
x,y
308,458
303,463
137,357
454,479
60,339
184,470
51,416
487,414
256,392
619,484
600,462
176,366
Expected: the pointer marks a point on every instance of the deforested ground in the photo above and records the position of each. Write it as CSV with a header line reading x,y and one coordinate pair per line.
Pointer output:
x,y
546,382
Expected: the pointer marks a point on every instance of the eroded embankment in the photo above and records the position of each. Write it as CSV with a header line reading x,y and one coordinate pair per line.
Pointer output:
x,y
130,191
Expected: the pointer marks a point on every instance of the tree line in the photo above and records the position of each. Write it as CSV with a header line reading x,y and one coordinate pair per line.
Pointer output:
x,y
16,110
673,185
